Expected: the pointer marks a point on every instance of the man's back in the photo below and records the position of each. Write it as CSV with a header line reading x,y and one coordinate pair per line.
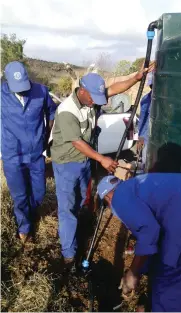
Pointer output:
x,y
154,196
158,189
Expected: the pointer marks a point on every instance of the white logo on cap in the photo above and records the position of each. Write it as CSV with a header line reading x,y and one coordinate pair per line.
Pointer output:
x,y
104,192
102,88
83,84
17,75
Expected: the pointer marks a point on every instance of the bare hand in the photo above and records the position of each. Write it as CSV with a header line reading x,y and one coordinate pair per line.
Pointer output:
x,y
109,164
123,170
129,282
151,68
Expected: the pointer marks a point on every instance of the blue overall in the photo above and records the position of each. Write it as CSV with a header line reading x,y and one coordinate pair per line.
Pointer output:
x,y
143,125
22,143
150,206
72,181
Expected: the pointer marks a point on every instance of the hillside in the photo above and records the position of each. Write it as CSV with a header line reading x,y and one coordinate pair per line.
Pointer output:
x,y
50,73
52,70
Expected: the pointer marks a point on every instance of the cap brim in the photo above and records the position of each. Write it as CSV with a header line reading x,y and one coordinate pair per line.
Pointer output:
x,y
99,100
110,188
19,86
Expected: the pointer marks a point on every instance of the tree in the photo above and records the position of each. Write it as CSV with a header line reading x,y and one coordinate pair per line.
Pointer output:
x,y
11,49
137,65
123,68
103,63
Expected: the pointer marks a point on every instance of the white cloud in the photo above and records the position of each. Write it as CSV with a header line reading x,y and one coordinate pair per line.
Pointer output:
x,y
85,26
117,18
56,41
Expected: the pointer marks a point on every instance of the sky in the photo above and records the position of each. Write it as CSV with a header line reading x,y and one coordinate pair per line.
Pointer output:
x,y
79,31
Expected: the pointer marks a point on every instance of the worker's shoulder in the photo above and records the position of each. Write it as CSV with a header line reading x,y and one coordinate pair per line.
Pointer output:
x,y
69,106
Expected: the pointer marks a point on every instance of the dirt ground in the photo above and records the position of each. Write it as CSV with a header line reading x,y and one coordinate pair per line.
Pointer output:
x,y
32,277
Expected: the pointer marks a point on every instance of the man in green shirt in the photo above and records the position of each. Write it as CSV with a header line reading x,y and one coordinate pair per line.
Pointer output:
x,y
71,151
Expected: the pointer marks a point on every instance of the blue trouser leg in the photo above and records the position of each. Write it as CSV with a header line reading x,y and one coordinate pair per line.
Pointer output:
x,y
166,289
25,189
38,182
68,178
16,176
84,182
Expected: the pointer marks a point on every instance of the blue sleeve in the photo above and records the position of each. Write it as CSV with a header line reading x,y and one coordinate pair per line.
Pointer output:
x,y
144,114
138,218
50,106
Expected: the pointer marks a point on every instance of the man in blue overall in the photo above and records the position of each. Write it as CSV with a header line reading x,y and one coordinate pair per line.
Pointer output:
x,y
71,151
143,125
24,137
150,207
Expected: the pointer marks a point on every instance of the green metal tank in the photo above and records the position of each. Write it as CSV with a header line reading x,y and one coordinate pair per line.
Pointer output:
x,y
164,145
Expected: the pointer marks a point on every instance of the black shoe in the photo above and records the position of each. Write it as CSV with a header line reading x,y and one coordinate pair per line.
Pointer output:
x,y
70,265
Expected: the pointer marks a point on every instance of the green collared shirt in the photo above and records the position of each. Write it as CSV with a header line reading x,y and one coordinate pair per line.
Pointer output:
x,y
73,122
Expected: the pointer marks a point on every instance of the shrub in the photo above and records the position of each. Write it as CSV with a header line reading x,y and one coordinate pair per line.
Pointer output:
x,y
11,49
65,85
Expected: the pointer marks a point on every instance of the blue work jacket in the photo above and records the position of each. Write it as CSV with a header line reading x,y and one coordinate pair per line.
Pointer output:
x,y
23,128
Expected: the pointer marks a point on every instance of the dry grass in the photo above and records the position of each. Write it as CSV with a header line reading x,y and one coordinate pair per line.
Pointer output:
x,y
32,278
9,244
35,294
27,284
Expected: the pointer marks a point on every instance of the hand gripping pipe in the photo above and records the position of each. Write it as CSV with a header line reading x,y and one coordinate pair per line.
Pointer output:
x,y
150,36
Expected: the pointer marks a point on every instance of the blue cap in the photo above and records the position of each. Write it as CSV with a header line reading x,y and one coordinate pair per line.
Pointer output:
x,y
95,85
107,184
150,79
17,77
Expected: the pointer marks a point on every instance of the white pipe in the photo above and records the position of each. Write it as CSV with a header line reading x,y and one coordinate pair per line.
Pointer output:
x,y
57,98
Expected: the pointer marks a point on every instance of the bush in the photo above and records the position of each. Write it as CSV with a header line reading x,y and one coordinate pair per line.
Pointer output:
x,y
137,65
123,68
53,87
41,79
65,85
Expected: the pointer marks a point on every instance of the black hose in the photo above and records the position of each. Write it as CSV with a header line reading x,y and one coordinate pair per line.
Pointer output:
x,y
150,35
151,28
94,141
138,97
86,262
97,130
153,25
95,233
